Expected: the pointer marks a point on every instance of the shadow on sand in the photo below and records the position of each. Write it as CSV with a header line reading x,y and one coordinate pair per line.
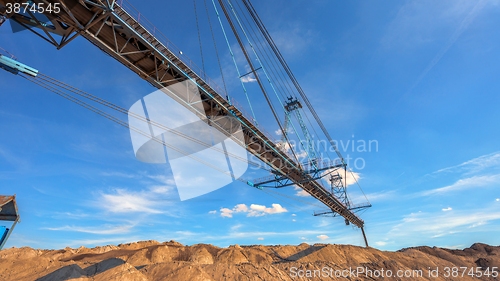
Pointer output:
x,y
75,271
298,255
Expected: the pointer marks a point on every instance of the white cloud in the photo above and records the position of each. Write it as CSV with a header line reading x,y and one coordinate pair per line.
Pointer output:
x,y
248,79
227,213
301,155
447,209
498,199
286,146
303,238
240,208
322,237
212,212
301,192
380,243
294,215
260,238
294,220
260,210
254,210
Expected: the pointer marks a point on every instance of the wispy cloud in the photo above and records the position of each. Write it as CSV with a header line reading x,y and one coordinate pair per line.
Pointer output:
x,y
471,15
9,157
447,209
236,227
71,215
462,184
120,175
100,241
384,195
102,230
126,201
475,165
441,224
292,37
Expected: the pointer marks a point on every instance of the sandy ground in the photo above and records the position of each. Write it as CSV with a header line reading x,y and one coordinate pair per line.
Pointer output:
x,y
151,260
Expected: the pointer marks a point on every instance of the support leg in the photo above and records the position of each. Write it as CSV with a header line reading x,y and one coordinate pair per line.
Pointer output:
x,y
364,237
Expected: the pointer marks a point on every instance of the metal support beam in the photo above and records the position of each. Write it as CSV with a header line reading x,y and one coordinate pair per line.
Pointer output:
x,y
364,236
11,229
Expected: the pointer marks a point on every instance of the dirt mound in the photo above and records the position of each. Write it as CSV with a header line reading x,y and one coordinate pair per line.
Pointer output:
x,y
152,260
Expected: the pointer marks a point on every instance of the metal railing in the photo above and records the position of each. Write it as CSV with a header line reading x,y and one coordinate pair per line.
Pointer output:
x,y
127,7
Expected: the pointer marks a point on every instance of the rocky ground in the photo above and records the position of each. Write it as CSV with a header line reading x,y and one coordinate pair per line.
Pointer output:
x,y
151,260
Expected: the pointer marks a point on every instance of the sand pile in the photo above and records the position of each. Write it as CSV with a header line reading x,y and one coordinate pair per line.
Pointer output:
x,y
152,260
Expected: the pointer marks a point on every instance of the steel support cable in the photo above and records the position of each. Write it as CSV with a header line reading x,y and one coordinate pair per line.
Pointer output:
x,y
259,44
199,36
253,70
307,116
280,77
120,109
235,63
304,129
255,53
216,49
359,186
120,122
141,118
263,29
293,198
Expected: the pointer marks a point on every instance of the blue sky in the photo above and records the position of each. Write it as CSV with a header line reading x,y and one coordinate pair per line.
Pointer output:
x,y
420,78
